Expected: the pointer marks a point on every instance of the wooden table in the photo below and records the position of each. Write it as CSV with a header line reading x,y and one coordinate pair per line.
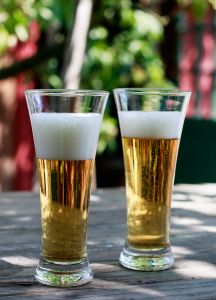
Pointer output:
x,y
193,239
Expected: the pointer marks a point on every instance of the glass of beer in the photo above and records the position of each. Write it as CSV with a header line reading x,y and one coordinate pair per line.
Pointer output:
x,y
151,122
65,125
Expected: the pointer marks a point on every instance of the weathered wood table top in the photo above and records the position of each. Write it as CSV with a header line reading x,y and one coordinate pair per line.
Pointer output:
x,y
193,239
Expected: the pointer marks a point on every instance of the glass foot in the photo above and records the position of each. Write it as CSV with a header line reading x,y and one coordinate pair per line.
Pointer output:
x,y
147,260
63,275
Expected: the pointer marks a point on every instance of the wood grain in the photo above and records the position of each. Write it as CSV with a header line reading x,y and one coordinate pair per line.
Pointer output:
x,y
193,239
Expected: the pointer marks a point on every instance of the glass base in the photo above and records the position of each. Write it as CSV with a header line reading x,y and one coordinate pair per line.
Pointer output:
x,y
147,260
63,275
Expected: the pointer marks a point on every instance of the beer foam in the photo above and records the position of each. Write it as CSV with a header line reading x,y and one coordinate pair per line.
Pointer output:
x,y
66,136
154,124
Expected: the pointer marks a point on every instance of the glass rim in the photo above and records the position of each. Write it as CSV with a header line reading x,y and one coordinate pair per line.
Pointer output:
x,y
153,91
66,92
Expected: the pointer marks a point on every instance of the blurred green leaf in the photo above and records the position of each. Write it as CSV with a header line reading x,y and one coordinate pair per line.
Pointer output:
x,y
147,23
21,32
98,33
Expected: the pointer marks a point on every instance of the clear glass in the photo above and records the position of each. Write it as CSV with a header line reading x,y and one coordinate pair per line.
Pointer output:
x,y
151,122
65,125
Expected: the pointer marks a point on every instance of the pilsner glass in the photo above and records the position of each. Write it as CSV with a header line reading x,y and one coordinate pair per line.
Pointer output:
x,y
151,122
65,125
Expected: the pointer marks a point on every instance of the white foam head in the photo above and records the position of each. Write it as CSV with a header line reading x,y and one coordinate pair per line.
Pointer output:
x,y
154,124
66,136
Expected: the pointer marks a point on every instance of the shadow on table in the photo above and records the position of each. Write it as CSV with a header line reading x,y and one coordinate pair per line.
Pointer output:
x,y
193,238
193,241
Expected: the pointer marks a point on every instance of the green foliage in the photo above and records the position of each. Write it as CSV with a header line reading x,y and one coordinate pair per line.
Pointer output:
x,y
108,133
197,7
122,51
16,17
125,54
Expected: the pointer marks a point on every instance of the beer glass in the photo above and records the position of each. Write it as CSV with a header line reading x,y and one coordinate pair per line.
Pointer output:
x,y
65,125
151,122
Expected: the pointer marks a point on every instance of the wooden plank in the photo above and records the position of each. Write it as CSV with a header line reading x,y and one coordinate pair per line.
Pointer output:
x,y
192,237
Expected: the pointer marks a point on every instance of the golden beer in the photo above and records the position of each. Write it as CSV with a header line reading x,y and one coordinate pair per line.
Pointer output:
x,y
151,122
149,171
64,194
65,125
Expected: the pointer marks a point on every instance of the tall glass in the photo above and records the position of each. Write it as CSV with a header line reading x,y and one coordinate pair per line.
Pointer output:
x,y
65,125
151,122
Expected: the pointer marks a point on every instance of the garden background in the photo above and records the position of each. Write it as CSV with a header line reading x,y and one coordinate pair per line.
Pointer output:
x,y
102,45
